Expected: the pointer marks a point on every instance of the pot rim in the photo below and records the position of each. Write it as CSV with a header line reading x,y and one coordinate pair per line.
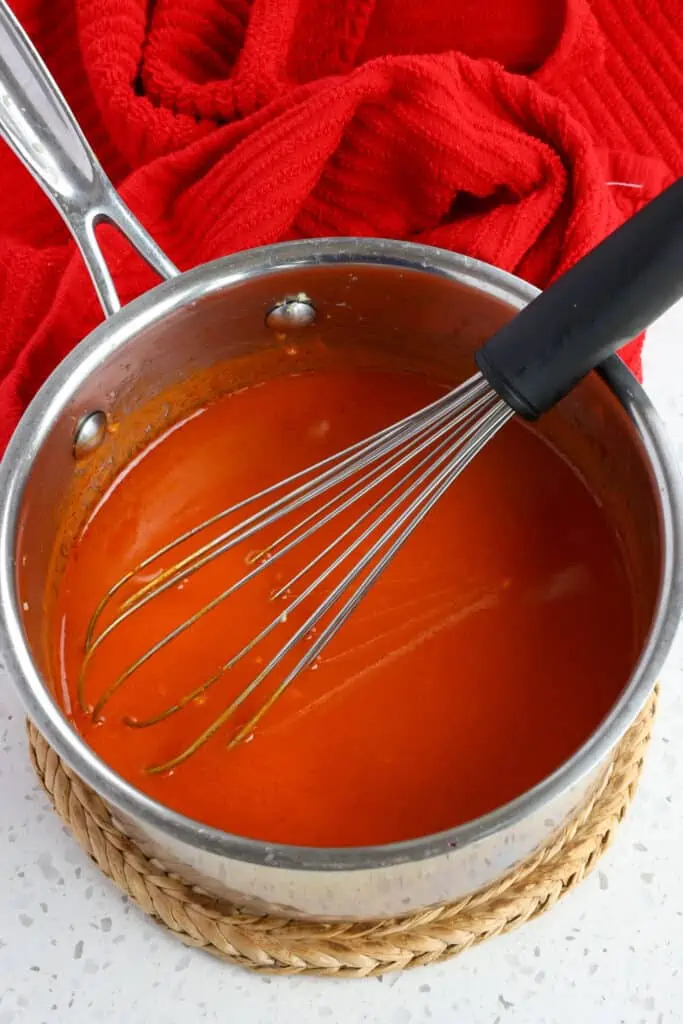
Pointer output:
x,y
182,291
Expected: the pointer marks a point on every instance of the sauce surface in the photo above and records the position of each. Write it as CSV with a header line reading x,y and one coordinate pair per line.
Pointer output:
x,y
487,653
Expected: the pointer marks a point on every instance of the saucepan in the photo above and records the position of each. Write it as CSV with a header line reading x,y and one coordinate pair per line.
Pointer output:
x,y
409,302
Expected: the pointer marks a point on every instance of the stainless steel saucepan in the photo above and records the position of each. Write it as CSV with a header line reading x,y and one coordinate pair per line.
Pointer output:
x,y
393,300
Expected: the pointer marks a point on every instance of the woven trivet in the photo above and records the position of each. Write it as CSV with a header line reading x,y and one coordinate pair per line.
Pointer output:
x,y
274,945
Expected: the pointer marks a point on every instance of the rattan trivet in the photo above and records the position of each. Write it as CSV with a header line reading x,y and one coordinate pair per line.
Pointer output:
x,y
348,949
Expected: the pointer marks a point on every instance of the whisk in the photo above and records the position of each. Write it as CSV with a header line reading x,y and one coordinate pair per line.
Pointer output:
x,y
387,484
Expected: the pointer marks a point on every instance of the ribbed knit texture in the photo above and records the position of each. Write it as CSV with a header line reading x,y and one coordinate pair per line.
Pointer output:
x,y
518,132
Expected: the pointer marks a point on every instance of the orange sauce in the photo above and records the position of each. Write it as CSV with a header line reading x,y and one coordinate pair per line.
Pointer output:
x,y
487,653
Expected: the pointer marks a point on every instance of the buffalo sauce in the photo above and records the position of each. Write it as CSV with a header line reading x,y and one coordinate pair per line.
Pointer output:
x,y
485,655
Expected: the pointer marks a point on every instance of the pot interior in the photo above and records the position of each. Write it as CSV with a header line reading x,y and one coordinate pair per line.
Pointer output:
x,y
368,315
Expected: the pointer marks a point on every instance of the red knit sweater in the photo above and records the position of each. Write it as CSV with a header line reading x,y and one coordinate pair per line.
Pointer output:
x,y
518,132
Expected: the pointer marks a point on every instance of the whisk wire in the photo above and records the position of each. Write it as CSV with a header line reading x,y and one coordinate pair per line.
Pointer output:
x,y
447,417
424,453
420,506
284,588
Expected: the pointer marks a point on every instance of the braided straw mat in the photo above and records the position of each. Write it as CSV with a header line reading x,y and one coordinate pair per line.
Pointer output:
x,y
349,949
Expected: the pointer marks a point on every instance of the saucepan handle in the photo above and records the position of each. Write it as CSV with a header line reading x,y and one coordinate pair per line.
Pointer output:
x,y
37,124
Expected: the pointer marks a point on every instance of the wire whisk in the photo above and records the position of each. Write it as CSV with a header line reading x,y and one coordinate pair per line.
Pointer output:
x,y
528,365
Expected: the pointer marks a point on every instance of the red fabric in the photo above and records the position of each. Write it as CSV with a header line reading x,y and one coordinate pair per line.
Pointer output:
x,y
519,132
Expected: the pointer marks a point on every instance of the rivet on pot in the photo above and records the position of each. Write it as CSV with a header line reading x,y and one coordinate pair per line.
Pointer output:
x,y
292,312
90,433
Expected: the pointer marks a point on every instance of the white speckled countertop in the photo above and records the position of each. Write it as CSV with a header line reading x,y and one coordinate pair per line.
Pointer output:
x,y
73,949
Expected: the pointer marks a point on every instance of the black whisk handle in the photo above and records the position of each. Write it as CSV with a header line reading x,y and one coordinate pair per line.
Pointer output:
x,y
607,298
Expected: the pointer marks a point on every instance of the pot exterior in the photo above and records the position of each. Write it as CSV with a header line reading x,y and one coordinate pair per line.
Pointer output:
x,y
377,300
377,892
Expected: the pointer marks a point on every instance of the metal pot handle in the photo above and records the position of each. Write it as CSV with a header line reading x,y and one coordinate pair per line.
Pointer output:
x,y
37,124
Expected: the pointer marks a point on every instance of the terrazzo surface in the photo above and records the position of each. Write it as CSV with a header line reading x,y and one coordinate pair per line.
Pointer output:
x,y
73,949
